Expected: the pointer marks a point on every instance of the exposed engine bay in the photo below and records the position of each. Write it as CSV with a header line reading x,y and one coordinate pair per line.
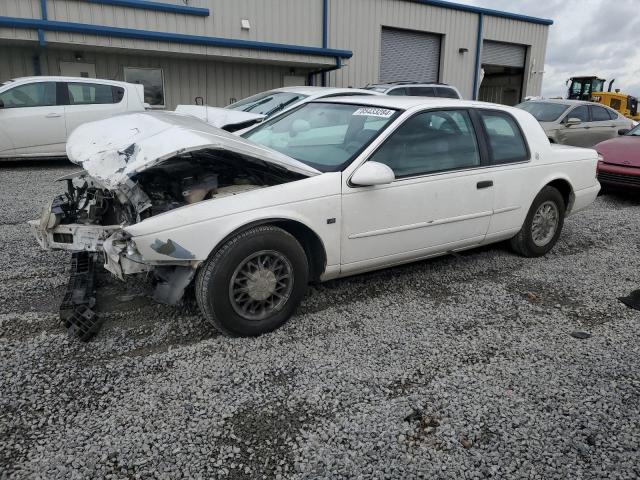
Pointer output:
x,y
172,184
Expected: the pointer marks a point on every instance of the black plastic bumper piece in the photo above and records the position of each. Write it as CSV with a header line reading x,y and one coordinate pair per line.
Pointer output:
x,y
76,309
633,300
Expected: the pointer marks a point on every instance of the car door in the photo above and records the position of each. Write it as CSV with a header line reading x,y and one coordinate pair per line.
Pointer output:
x,y
577,135
440,200
32,120
509,155
88,102
603,128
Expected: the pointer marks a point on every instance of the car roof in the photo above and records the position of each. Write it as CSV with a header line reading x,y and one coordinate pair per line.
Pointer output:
x,y
562,101
405,103
313,91
65,79
411,84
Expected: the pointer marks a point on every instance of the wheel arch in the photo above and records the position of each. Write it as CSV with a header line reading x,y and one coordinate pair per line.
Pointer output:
x,y
310,241
563,185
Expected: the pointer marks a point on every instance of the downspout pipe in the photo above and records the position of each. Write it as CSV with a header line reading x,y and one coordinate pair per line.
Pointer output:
x,y
476,76
43,15
323,71
325,36
42,42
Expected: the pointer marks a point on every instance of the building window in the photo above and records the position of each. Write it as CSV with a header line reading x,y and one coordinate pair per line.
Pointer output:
x,y
152,80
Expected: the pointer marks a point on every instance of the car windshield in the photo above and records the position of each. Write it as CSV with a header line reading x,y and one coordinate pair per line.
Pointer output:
x,y
635,131
544,112
267,103
326,136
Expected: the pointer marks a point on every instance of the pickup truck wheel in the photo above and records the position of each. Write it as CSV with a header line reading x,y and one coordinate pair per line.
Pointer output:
x,y
254,282
542,226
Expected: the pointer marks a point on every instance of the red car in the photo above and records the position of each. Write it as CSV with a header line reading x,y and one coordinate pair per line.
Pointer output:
x,y
619,166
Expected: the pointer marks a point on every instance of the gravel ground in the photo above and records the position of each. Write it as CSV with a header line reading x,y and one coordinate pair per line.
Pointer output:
x,y
459,367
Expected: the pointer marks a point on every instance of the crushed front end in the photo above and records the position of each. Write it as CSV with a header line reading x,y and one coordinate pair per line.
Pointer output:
x,y
87,214
138,167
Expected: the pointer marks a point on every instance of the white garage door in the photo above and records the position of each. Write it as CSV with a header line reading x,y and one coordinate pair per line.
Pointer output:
x,y
503,54
407,55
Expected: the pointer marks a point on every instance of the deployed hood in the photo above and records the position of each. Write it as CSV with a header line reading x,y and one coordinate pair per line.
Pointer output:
x,y
114,149
220,117
623,151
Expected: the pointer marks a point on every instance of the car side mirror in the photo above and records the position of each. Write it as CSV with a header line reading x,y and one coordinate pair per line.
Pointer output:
x,y
623,131
373,173
573,121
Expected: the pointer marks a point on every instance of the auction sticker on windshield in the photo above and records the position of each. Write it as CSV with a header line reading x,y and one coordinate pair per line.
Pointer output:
x,y
374,112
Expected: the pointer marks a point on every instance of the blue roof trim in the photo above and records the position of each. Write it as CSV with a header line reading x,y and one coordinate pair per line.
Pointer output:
x,y
157,6
55,26
484,11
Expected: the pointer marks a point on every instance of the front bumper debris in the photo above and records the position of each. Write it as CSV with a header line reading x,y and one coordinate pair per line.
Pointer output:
x,y
77,307
74,237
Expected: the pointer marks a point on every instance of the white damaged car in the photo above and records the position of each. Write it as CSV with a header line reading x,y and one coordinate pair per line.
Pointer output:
x,y
332,188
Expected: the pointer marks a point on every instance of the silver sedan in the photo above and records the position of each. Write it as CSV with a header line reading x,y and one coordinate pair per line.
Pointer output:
x,y
577,123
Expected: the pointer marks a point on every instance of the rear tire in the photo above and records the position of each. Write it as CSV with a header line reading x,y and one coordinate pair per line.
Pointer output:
x,y
543,224
254,282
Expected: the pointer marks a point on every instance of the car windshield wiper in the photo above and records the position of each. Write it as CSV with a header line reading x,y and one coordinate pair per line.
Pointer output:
x,y
279,107
251,106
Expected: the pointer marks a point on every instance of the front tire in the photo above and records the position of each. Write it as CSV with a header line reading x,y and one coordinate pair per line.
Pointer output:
x,y
543,224
254,282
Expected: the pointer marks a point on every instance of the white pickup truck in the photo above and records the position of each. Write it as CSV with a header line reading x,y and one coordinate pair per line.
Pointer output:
x,y
333,188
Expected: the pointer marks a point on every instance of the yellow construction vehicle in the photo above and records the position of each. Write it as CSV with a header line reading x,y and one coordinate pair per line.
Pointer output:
x,y
592,89
581,88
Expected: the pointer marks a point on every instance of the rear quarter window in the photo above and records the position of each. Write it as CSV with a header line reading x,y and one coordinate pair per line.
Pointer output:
x,y
505,138
421,91
444,92
600,114
398,92
94,94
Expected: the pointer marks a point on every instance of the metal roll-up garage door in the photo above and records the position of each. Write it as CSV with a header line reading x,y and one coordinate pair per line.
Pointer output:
x,y
407,55
503,54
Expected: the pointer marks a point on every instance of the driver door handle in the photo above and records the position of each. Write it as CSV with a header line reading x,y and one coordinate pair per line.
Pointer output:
x,y
53,115
484,184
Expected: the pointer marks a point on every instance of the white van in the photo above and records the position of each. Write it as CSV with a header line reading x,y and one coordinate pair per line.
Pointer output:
x,y
37,114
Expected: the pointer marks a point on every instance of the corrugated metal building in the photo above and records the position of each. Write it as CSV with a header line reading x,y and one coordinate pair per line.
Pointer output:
x,y
221,50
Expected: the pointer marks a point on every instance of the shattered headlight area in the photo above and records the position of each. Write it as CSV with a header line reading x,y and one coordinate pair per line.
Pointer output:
x,y
82,218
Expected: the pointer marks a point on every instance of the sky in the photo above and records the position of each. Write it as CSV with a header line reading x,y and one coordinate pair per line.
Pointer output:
x,y
588,37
